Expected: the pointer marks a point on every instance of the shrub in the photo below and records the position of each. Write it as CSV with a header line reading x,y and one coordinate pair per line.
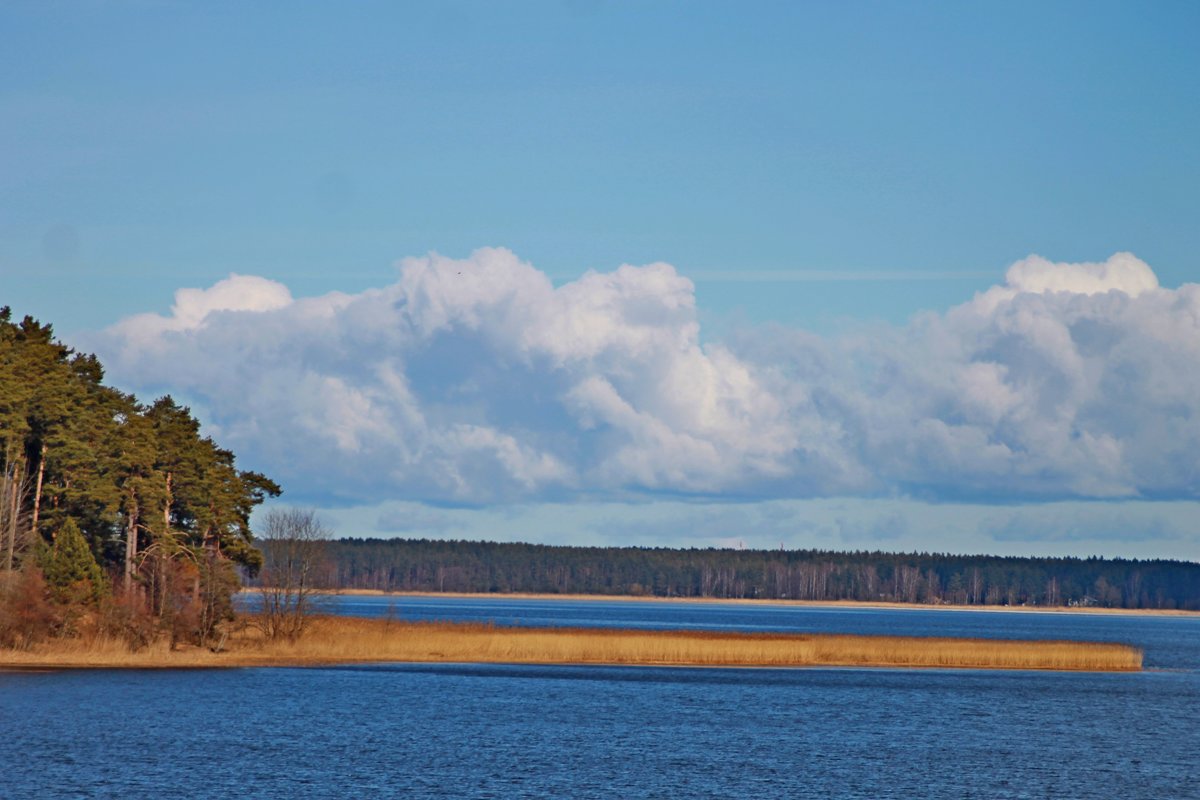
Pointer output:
x,y
26,614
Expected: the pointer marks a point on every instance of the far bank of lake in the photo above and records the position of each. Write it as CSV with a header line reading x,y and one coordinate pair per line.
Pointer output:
x,y
852,604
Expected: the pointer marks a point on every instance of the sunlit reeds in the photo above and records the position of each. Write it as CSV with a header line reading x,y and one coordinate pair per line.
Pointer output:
x,y
332,640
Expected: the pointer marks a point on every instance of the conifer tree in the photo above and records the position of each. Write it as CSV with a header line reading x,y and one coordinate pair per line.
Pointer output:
x,y
152,500
70,569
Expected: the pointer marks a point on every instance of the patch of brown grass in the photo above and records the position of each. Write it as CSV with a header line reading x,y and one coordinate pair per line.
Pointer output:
x,y
340,640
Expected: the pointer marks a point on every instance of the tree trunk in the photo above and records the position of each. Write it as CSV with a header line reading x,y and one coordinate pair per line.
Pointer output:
x,y
4,489
37,494
167,509
131,544
14,509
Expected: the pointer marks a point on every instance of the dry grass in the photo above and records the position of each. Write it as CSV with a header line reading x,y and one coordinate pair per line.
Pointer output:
x,y
340,640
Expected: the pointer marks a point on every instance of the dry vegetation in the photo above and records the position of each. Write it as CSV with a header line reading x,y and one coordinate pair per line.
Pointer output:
x,y
339,640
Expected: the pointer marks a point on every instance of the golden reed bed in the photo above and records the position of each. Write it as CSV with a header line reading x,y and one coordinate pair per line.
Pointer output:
x,y
343,640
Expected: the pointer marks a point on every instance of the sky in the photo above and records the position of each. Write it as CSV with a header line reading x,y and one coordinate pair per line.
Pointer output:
x,y
840,275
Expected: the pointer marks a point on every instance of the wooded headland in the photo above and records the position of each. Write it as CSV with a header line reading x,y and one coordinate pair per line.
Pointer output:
x,y
116,516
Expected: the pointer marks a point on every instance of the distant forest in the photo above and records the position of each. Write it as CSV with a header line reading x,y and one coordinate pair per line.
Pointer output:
x,y
930,578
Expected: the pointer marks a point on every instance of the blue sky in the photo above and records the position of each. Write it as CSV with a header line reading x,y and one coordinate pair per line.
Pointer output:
x,y
832,169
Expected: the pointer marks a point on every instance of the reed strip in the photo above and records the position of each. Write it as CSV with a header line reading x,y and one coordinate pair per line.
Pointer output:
x,y
342,640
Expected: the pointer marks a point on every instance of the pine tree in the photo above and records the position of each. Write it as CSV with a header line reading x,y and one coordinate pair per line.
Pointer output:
x,y
92,480
70,569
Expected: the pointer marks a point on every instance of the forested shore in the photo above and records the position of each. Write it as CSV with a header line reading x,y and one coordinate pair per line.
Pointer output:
x,y
117,518
422,565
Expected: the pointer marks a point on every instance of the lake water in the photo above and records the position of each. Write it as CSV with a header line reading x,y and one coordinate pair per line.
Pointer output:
x,y
496,731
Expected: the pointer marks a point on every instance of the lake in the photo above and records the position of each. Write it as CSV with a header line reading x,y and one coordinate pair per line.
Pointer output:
x,y
497,731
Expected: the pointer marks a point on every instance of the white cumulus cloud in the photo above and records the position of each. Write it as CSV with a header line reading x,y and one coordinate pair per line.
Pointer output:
x,y
193,307
477,380
468,380
1071,380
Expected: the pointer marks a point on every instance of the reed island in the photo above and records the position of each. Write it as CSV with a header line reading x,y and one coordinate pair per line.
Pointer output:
x,y
346,640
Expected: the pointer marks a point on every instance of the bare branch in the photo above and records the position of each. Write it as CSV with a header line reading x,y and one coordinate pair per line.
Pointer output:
x,y
293,545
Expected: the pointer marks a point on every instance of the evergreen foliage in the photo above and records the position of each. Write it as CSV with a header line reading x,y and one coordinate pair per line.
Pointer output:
x,y
459,566
69,568
135,491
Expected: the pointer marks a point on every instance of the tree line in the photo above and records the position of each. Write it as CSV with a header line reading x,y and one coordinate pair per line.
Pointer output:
x,y
931,578
112,512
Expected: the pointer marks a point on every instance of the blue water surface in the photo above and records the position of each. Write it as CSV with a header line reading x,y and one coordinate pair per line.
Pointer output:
x,y
499,731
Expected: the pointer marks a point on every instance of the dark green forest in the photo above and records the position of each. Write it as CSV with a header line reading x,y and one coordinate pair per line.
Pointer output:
x,y
459,566
114,514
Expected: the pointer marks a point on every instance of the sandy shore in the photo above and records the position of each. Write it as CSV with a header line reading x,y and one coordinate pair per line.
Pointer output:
x,y
773,602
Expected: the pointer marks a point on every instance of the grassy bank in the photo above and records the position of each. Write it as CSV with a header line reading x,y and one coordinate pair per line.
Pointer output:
x,y
342,640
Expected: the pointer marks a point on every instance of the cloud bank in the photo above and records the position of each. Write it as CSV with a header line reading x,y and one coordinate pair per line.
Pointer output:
x,y
476,381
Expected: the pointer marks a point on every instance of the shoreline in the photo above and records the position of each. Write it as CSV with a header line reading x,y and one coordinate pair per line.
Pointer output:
x,y
331,641
843,604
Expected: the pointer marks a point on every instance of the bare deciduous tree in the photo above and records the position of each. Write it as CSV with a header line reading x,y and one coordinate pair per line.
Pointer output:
x,y
293,547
